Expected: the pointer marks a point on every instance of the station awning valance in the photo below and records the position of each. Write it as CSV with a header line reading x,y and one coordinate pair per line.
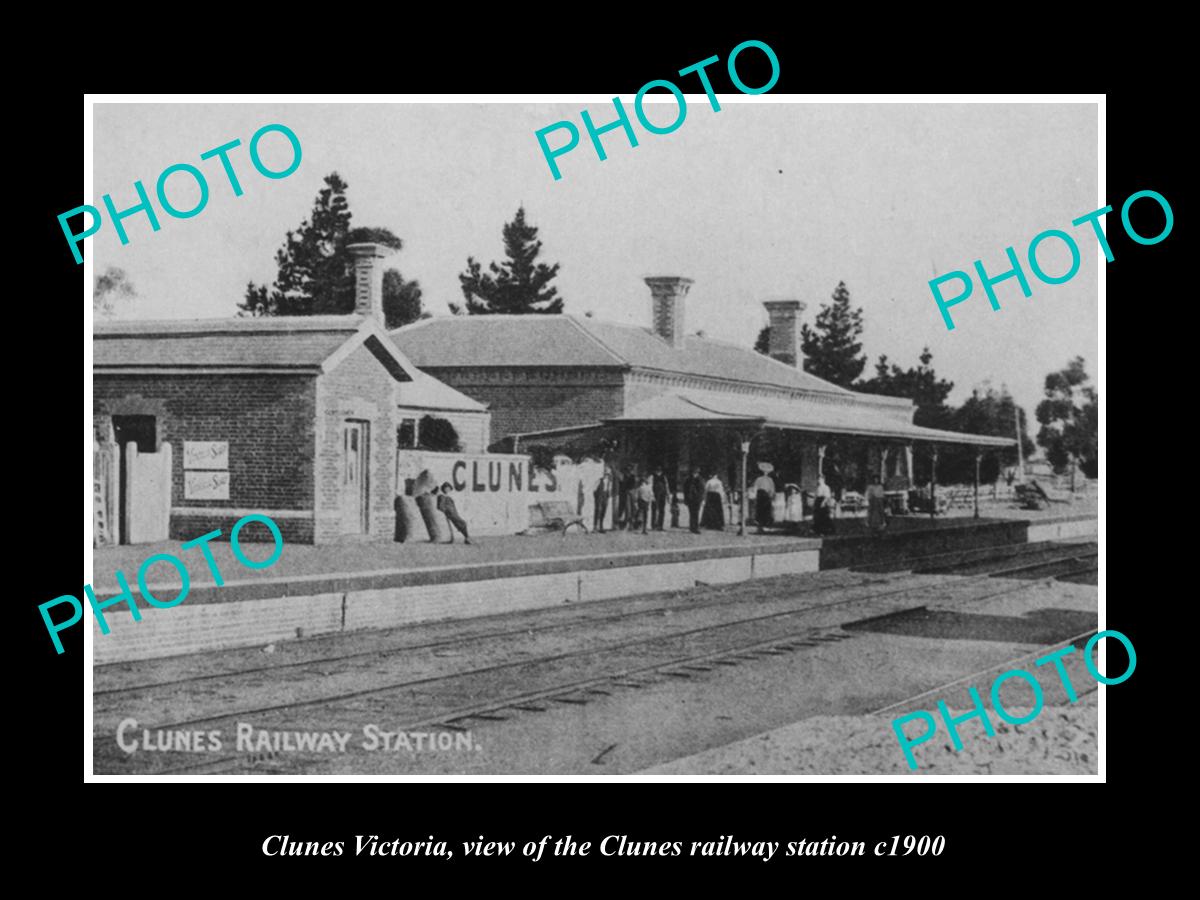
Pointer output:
x,y
816,415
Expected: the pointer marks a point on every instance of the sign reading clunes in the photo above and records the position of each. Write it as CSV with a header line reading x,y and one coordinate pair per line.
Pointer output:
x,y
479,475
494,491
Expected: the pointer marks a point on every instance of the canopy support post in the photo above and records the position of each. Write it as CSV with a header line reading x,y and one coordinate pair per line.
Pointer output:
x,y
978,454
933,481
745,446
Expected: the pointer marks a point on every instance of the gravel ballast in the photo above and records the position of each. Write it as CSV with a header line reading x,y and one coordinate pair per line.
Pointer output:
x,y
1060,741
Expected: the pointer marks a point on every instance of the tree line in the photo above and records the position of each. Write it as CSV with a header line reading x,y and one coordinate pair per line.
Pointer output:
x,y
1068,415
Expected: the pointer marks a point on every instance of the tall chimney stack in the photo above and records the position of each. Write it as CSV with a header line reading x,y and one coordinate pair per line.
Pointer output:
x,y
784,344
668,293
368,279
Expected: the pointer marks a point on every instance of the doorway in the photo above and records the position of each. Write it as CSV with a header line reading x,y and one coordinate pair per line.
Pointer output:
x,y
142,432
355,476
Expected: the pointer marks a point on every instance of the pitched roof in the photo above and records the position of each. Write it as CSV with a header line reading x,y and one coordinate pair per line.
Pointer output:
x,y
426,392
285,342
566,340
717,408
311,344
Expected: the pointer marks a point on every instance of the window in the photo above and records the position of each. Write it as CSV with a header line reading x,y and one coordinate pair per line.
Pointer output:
x,y
406,434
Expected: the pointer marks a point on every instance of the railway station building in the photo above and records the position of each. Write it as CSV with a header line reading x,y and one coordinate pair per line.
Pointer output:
x,y
663,397
200,422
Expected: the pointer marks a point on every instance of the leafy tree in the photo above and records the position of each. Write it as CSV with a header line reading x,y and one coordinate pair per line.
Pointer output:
x,y
986,411
113,291
1070,419
438,434
516,286
919,384
316,272
928,392
831,348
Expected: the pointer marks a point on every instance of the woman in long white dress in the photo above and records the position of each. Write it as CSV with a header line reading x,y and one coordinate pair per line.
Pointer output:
x,y
713,514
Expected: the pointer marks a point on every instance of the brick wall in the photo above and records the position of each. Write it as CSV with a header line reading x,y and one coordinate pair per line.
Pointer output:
x,y
539,399
185,526
267,421
360,387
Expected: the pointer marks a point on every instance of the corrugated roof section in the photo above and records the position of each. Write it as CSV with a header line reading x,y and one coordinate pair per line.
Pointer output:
x,y
297,343
532,340
284,350
426,392
564,340
284,342
701,356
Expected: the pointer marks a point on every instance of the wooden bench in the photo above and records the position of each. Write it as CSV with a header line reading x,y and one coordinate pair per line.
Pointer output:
x,y
853,501
556,515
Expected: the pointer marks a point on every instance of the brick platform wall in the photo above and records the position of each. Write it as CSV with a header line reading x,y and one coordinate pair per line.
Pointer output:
x,y
294,531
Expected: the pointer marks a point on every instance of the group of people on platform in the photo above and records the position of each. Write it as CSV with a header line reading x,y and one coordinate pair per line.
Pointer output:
x,y
765,489
642,502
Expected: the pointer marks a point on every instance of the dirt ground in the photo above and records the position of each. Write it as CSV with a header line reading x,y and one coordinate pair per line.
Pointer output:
x,y
1060,741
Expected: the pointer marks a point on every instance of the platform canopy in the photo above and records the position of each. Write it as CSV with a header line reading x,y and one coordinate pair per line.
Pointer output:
x,y
698,408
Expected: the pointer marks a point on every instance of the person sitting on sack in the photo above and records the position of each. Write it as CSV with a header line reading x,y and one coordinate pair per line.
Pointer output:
x,y
446,504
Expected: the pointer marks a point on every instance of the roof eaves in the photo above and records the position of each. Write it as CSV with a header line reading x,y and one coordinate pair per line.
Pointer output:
x,y
413,326
119,368
768,384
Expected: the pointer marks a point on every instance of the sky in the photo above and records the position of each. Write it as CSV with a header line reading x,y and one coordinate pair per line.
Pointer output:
x,y
761,200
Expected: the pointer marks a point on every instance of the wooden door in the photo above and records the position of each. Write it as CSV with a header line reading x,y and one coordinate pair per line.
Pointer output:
x,y
355,467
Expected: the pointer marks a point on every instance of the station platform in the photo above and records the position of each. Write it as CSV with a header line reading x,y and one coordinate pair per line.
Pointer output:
x,y
315,590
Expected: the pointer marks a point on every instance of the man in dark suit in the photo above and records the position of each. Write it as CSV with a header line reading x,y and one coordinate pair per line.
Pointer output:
x,y
600,499
693,496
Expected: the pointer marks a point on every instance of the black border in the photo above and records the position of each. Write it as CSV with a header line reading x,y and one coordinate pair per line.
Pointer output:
x,y
983,825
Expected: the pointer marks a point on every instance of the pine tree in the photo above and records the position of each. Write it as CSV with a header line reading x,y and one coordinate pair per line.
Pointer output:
x,y
316,272
762,343
401,300
831,348
516,286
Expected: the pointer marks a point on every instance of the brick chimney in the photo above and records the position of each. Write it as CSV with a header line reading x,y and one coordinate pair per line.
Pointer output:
x,y
785,331
668,293
368,278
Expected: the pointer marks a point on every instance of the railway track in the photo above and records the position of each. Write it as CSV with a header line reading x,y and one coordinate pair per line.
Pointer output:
x,y
453,699
939,563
